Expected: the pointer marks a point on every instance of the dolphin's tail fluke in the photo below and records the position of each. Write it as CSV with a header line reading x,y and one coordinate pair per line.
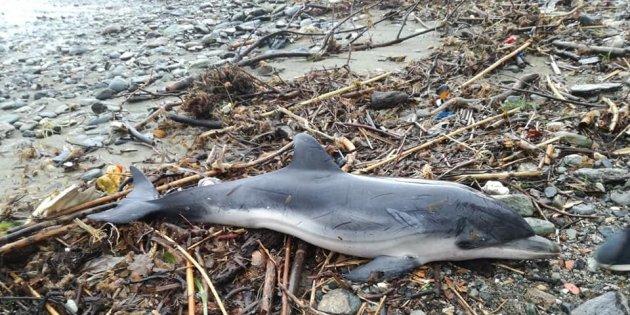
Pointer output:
x,y
136,205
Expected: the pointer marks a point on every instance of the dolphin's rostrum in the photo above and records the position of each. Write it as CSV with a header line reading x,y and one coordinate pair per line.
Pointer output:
x,y
401,223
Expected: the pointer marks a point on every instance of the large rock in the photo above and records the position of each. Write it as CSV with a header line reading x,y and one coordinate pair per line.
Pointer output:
x,y
610,303
603,174
519,203
339,301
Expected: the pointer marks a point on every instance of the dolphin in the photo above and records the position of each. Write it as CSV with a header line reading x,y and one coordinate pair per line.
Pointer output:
x,y
400,223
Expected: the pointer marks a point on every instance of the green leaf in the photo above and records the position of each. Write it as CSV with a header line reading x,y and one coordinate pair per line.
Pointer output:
x,y
169,258
6,225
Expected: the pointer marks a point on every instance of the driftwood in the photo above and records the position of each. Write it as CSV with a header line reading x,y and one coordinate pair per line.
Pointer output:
x,y
519,84
614,51
210,124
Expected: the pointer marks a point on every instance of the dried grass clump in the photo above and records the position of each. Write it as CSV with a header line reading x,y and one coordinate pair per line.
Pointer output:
x,y
225,84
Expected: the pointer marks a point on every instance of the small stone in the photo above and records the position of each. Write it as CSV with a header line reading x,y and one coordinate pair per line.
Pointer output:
x,y
292,10
556,276
609,303
540,297
340,302
71,306
519,203
111,29
77,50
495,188
92,174
473,292
551,191
589,61
572,160
574,138
9,118
417,312
571,233
589,20
208,39
6,130
105,94
118,84
203,63
126,55
583,209
12,105
621,198
593,89
600,187
603,174
541,227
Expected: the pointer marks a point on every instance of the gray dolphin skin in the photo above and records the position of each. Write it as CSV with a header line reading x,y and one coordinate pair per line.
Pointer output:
x,y
400,223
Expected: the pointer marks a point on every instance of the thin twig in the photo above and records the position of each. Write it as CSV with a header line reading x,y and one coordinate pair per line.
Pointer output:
x,y
431,143
203,272
497,63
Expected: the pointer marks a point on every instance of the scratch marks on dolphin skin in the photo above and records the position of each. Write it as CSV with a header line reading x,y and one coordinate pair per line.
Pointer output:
x,y
233,190
270,191
404,218
322,215
341,224
380,195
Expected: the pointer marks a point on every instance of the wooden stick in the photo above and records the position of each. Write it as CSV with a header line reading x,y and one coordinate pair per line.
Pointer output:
x,y
501,175
42,235
190,287
460,298
296,268
203,272
497,63
615,112
433,142
284,310
49,307
321,97
268,287
304,122
300,304
554,89
614,51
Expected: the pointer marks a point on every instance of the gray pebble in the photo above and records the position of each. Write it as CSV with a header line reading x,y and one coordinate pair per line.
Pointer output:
x,y
105,94
339,301
541,227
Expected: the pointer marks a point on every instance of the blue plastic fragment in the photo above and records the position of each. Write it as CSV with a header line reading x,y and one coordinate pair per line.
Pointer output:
x,y
443,114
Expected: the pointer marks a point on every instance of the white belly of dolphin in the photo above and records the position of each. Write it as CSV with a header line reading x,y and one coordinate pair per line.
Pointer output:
x,y
424,247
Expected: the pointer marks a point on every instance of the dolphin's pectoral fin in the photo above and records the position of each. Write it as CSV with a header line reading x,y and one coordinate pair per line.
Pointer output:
x,y
383,268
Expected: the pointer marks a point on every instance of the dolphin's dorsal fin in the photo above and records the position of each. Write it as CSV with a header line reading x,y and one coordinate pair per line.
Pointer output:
x,y
308,154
